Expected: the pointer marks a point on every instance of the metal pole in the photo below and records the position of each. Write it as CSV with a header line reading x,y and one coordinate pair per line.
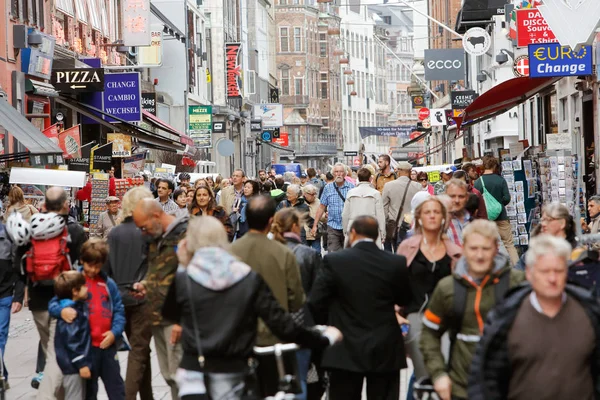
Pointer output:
x,y
452,31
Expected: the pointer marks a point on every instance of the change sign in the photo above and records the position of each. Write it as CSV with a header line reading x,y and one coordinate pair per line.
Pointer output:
x,y
123,96
553,60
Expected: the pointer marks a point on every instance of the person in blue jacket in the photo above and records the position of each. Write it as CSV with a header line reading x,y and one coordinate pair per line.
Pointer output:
x,y
106,320
72,340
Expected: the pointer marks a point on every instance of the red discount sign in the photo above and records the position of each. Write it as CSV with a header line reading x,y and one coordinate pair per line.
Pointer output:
x,y
282,140
532,28
423,113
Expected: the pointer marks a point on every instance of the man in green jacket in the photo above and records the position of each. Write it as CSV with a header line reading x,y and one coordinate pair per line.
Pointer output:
x,y
481,278
271,259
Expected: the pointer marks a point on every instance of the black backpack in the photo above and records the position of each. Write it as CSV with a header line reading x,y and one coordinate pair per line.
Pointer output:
x,y
459,305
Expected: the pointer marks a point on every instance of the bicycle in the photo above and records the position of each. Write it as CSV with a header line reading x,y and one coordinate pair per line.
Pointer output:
x,y
285,380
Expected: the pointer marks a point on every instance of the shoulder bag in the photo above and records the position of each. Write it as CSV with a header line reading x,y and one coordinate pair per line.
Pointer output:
x,y
249,384
337,189
391,225
492,206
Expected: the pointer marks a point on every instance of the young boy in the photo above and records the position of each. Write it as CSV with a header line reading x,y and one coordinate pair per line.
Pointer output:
x,y
72,340
106,320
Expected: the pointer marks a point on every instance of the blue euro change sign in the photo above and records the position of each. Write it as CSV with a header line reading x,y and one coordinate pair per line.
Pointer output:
x,y
551,59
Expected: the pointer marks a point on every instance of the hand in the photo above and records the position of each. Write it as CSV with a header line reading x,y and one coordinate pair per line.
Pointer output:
x,y
443,387
68,315
333,333
313,231
109,339
175,334
183,254
85,373
401,320
140,290
584,225
16,307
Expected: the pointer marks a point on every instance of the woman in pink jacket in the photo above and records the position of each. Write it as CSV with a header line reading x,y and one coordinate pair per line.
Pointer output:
x,y
430,256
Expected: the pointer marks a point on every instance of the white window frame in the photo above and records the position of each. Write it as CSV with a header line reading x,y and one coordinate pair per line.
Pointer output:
x,y
287,79
287,39
251,79
297,39
94,13
299,85
81,12
66,7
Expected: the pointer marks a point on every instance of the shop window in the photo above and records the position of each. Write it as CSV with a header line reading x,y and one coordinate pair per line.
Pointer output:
x,y
81,12
551,113
66,6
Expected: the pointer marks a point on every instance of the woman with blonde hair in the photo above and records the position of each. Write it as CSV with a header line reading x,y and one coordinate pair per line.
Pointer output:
x,y
430,256
17,203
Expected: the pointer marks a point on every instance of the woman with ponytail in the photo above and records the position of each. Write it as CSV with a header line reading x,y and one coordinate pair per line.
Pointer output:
x,y
430,256
286,228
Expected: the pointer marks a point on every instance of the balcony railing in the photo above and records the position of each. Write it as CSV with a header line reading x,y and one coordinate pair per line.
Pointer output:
x,y
294,100
313,148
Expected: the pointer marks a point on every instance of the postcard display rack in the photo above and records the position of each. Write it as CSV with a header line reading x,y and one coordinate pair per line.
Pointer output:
x,y
559,172
99,195
521,178
123,185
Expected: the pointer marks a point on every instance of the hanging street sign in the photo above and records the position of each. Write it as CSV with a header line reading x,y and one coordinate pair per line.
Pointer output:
x,y
521,66
532,28
423,113
438,117
552,60
573,22
477,41
78,80
122,96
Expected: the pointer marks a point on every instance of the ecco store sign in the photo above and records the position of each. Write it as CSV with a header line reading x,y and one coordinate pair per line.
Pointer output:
x,y
444,65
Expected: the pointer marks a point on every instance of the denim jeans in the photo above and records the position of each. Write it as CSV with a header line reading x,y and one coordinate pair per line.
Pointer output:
x,y
5,307
303,361
315,244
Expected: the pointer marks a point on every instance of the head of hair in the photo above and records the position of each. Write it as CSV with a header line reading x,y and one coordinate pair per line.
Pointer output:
x,y
311,172
547,244
422,175
371,169
560,211
283,222
472,204
386,158
178,192
255,186
94,251
262,170
279,182
310,189
56,197
458,183
218,180
364,175
259,212
240,170
66,282
461,174
337,165
132,198
205,231
15,196
595,198
328,176
169,183
295,188
468,167
185,186
212,202
366,226
289,176
490,162
483,227
266,187
296,181
418,227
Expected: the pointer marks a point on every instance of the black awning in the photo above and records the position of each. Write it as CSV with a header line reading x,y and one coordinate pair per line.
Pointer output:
x,y
25,132
40,88
478,13
147,137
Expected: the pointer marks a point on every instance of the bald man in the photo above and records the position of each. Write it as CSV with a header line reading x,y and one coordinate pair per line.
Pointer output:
x,y
164,232
40,295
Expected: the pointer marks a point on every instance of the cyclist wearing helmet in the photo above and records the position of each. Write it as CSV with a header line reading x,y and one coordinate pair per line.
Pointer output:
x,y
56,202
184,177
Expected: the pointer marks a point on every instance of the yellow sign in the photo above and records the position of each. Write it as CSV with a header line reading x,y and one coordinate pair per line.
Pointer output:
x,y
151,55
208,78
121,144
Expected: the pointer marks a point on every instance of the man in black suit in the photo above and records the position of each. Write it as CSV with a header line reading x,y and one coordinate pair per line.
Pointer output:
x,y
356,292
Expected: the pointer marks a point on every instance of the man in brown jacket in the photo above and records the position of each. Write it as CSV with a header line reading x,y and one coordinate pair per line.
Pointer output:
x,y
271,259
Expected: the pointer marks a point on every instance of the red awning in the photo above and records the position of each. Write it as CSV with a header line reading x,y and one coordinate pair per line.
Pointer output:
x,y
185,139
502,98
160,123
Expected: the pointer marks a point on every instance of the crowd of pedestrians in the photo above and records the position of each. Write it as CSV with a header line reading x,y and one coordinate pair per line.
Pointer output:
x,y
361,270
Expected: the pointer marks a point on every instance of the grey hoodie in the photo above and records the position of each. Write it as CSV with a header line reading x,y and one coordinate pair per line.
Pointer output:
x,y
216,269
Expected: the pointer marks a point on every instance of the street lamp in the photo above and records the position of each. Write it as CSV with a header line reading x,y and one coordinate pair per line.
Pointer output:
x,y
502,57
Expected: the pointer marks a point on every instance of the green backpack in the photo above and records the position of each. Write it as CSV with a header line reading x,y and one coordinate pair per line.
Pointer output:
x,y
492,206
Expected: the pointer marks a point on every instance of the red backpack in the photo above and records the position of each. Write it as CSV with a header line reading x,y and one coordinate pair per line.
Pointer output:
x,y
46,259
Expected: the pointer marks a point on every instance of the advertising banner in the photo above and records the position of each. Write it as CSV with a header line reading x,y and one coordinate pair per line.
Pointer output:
x,y
401,131
151,55
271,115
134,164
200,118
553,60
82,163
123,96
532,28
233,66
149,102
121,144
102,157
283,140
417,102
69,141
445,65
51,133
461,99
135,22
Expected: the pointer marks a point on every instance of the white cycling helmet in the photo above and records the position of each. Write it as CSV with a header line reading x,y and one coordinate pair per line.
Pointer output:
x,y
18,229
46,226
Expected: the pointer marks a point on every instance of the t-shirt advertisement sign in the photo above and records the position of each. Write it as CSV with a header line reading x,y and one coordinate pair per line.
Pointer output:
x,y
532,28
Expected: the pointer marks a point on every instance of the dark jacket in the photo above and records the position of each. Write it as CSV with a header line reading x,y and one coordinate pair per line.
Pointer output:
x,y
220,214
490,370
115,303
127,260
228,299
497,187
301,207
10,284
356,292
309,261
72,342
40,294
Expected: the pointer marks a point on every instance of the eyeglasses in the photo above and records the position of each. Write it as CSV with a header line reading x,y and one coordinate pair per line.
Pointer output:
x,y
547,220
423,180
